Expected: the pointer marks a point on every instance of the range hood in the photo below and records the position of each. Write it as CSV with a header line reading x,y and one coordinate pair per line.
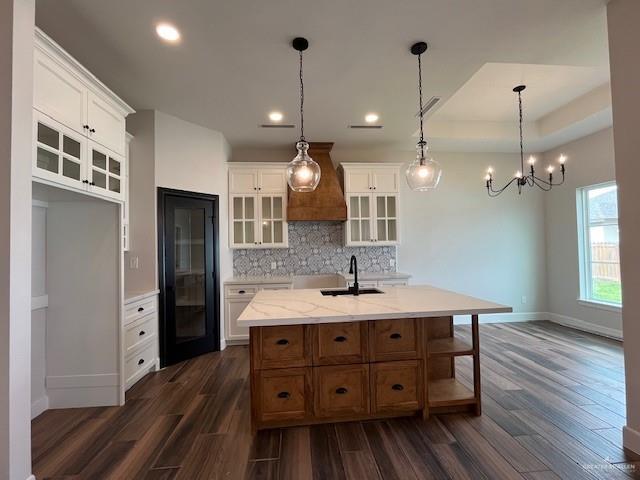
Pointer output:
x,y
326,202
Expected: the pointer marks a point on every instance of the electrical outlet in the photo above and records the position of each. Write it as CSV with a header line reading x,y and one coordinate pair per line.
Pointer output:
x,y
524,299
273,265
392,262
134,263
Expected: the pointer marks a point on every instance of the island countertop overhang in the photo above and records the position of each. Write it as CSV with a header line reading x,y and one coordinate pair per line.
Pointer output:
x,y
309,306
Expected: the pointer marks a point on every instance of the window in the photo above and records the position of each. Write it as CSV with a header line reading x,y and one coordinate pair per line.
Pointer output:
x,y
599,244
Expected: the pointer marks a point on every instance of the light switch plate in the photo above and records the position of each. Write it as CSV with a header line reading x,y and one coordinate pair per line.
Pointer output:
x,y
273,265
134,263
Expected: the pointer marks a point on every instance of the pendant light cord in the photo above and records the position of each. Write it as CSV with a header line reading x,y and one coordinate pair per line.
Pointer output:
x,y
302,139
521,136
422,142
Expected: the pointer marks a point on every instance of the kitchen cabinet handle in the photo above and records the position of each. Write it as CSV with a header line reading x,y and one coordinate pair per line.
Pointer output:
x,y
395,336
92,184
241,292
142,332
92,130
86,127
284,395
283,341
141,309
341,391
141,361
397,387
85,181
340,339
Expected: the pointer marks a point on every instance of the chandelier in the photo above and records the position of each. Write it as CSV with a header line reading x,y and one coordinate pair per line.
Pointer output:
x,y
522,179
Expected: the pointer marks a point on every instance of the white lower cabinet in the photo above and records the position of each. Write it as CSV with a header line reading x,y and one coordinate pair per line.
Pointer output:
x,y
236,298
140,337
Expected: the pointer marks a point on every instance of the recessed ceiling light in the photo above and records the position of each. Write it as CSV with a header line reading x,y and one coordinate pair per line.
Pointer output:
x,y
371,118
275,116
168,32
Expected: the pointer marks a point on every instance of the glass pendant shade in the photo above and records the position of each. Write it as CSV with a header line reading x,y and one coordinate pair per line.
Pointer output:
x,y
303,174
423,173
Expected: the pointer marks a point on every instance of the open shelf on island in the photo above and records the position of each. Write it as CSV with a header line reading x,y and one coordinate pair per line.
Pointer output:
x,y
448,392
450,346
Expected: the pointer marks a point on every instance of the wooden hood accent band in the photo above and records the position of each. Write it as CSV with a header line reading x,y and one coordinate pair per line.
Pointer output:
x,y
326,202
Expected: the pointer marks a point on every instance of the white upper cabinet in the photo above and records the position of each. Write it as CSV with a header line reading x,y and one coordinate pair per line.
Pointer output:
x,y
258,206
79,125
372,194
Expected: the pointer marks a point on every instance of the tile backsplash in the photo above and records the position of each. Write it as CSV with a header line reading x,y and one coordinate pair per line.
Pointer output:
x,y
314,248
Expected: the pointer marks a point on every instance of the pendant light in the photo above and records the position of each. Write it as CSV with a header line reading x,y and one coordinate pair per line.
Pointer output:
x,y
303,174
521,179
424,172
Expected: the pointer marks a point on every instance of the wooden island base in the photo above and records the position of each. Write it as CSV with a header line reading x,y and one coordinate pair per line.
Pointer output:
x,y
335,372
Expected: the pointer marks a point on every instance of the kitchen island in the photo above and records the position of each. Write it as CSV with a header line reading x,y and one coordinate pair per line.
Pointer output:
x,y
322,358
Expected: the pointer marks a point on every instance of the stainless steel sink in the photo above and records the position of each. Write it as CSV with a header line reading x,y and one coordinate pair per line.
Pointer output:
x,y
362,291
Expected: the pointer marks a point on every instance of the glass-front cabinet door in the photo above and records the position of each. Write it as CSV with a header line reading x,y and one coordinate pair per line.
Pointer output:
x,y
59,153
359,222
386,219
106,171
272,221
244,218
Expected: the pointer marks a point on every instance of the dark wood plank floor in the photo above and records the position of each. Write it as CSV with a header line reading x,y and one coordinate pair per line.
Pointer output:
x,y
553,403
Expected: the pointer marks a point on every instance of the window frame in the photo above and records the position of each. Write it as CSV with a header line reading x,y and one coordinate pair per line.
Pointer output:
x,y
584,245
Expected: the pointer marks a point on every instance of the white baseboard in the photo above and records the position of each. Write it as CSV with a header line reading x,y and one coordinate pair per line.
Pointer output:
x,y
38,406
71,391
586,326
238,341
502,318
631,439
31,477
223,344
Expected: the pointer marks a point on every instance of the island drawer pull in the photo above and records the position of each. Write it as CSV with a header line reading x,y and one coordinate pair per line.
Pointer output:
x,y
395,336
397,387
341,391
142,332
284,395
282,341
241,291
141,361
340,339
141,309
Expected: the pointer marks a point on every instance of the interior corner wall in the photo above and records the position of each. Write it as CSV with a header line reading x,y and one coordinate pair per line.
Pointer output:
x,y
624,38
590,161
194,158
39,398
142,277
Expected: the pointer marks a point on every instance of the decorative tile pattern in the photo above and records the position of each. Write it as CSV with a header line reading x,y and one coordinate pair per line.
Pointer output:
x,y
314,248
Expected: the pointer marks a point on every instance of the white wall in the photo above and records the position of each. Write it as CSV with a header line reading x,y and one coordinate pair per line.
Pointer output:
x,y
590,161
624,38
16,97
193,158
39,399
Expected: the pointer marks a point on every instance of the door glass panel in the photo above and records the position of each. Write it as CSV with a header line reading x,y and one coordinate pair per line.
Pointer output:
x,y
71,146
382,231
248,208
47,160
266,232
114,184
249,232
354,206
99,179
366,232
393,236
190,319
70,169
277,207
238,232
278,231
266,207
114,166
355,230
391,206
364,206
237,207
380,206
48,136
99,160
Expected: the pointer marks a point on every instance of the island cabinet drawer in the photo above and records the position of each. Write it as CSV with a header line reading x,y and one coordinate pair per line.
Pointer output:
x,y
398,339
139,331
282,395
281,346
135,310
396,386
240,291
341,390
340,343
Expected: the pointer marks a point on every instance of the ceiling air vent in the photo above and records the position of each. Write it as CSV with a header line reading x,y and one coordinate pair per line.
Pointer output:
x,y
432,102
366,127
268,125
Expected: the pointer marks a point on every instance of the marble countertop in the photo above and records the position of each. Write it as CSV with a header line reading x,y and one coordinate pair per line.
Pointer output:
x,y
295,307
376,276
258,279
